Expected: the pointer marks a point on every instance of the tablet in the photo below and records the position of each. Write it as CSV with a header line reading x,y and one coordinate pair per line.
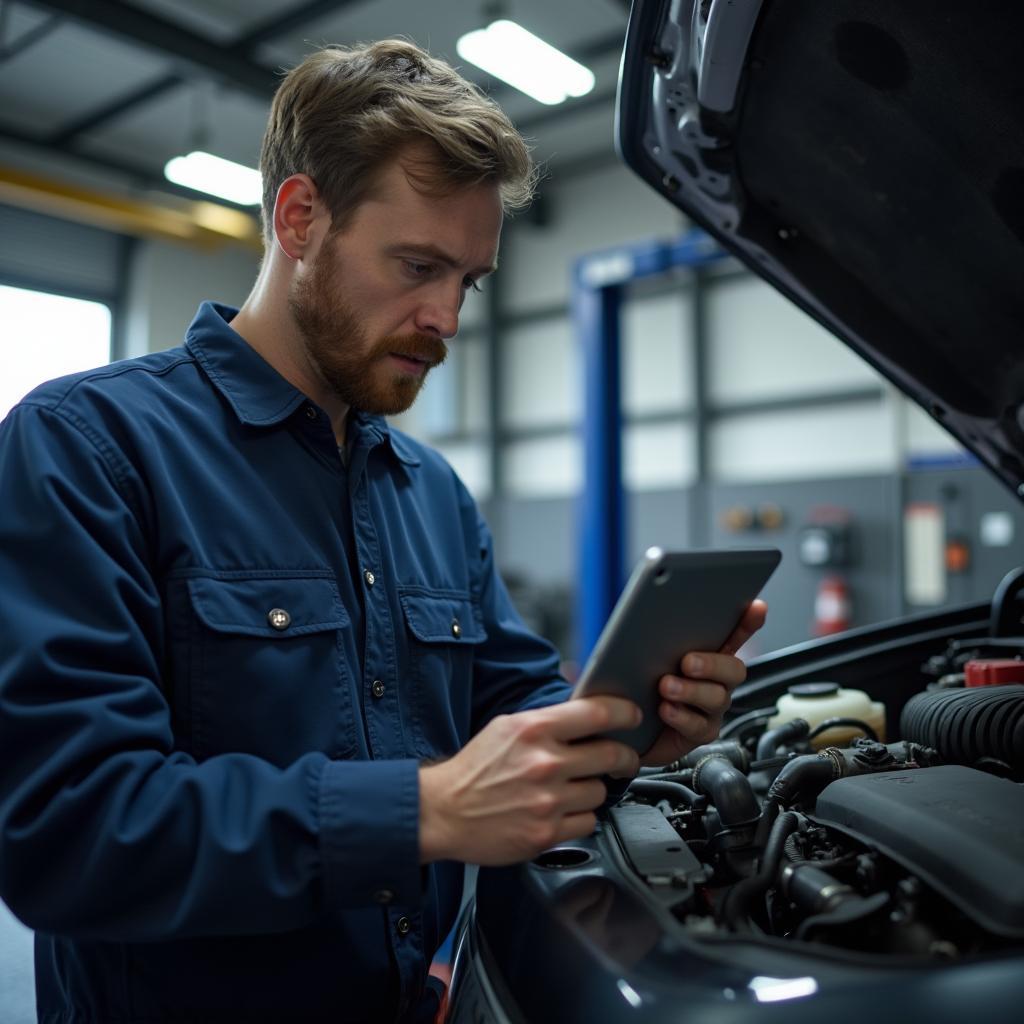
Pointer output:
x,y
675,602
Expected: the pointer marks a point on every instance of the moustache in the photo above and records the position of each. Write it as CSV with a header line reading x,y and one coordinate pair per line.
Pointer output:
x,y
425,347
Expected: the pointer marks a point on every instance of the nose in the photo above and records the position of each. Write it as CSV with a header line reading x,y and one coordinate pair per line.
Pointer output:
x,y
438,313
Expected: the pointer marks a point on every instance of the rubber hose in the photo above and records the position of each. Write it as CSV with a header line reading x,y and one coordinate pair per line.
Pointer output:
x,y
792,853
728,789
737,903
732,749
661,789
768,815
742,722
772,739
684,778
968,725
802,776
832,723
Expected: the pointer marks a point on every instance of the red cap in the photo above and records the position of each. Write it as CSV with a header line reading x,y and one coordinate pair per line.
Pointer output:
x,y
993,672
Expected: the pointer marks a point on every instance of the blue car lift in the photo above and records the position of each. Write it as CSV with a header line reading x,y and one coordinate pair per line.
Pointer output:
x,y
599,283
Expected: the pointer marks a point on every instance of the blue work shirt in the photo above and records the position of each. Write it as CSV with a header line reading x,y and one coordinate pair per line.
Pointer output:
x,y
225,654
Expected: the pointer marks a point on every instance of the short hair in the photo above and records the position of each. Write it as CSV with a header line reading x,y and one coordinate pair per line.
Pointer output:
x,y
347,110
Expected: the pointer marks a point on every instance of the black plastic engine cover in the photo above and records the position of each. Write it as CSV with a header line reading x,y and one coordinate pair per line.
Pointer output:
x,y
960,830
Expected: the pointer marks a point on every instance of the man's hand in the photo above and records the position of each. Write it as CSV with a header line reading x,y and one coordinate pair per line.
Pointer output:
x,y
695,702
525,782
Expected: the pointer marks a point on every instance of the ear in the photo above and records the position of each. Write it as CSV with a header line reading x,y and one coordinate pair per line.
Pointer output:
x,y
300,217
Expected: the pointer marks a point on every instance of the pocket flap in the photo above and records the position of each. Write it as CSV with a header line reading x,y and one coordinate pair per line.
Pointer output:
x,y
275,608
441,617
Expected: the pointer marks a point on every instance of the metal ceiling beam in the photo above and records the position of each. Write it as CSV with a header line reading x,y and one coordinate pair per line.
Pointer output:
x,y
288,22
34,35
238,67
134,175
198,223
126,22
243,46
71,130
222,62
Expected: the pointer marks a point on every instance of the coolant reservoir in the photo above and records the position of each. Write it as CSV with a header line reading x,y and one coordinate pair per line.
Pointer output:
x,y
814,702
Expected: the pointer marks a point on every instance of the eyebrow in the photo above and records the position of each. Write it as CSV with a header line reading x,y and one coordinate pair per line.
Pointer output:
x,y
435,253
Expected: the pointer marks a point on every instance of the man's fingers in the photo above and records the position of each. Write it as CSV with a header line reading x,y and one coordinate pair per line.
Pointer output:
x,y
585,795
726,669
601,757
575,826
710,697
753,619
688,722
586,716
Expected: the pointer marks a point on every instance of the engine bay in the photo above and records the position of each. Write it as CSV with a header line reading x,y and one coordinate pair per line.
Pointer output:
x,y
912,848
852,843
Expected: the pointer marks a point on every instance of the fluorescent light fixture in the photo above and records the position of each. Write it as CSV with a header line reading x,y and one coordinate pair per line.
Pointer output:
x,y
217,177
777,990
507,51
631,994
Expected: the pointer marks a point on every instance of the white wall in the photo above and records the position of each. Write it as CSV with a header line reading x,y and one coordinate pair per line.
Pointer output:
x,y
540,375
168,282
586,212
761,346
541,371
657,353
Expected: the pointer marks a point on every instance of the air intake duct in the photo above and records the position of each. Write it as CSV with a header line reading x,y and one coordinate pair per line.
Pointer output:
x,y
983,726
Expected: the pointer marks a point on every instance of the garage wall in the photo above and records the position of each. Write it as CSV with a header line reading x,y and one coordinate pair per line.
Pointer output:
x,y
167,283
584,211
44,252
792,416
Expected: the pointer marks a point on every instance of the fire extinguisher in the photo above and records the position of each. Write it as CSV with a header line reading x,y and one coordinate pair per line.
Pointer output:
x,y
832,610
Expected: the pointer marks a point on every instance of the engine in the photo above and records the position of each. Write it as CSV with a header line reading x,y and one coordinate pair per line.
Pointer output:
x,y
911,848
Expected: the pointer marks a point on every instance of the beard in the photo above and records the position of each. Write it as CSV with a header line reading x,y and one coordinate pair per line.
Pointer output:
x,y
356,369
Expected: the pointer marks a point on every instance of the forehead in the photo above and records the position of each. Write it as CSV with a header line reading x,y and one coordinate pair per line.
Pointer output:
x,y
466,221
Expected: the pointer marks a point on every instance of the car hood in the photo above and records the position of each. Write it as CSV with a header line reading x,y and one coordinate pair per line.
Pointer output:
x,y
867,159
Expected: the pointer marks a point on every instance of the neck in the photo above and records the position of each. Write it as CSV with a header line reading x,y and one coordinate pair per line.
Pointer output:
x,y
266,324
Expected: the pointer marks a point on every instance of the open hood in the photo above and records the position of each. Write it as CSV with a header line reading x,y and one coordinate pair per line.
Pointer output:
x,y
867,158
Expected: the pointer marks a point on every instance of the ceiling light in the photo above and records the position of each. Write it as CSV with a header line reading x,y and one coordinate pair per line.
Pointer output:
x,y
205,172
507,51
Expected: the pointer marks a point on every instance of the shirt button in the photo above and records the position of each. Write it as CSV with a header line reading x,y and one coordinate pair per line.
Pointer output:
x,y
377,688
383,896
279,618
369,577
403,926
456,629
310,412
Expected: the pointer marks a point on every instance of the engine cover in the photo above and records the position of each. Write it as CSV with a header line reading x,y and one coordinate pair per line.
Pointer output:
x,y
958,829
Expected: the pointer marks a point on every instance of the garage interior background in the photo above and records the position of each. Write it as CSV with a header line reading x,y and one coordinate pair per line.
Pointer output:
x,y
745,423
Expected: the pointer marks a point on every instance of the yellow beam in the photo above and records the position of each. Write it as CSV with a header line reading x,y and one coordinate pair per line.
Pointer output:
x,y
202,224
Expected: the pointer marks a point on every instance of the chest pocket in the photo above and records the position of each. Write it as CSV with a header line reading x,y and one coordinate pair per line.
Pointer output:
x,y
443,631
261,657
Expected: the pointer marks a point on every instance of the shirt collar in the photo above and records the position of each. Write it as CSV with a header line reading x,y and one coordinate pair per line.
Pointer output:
x,y
257,393
379,430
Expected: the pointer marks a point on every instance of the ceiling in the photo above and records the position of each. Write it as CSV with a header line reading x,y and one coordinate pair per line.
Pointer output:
x,y
104,92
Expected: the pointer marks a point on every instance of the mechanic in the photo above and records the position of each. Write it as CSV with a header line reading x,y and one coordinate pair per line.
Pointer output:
x,y
262,690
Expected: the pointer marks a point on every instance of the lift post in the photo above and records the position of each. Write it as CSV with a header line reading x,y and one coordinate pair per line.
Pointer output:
x,y
600,280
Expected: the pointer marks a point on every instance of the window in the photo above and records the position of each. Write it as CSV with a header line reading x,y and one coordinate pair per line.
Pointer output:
x,y
46,336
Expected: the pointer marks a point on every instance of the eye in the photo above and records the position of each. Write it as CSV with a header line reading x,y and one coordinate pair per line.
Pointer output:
x,y
417,269
469,282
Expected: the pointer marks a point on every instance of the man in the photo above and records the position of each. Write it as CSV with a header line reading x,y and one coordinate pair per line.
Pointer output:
x,y
263,692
